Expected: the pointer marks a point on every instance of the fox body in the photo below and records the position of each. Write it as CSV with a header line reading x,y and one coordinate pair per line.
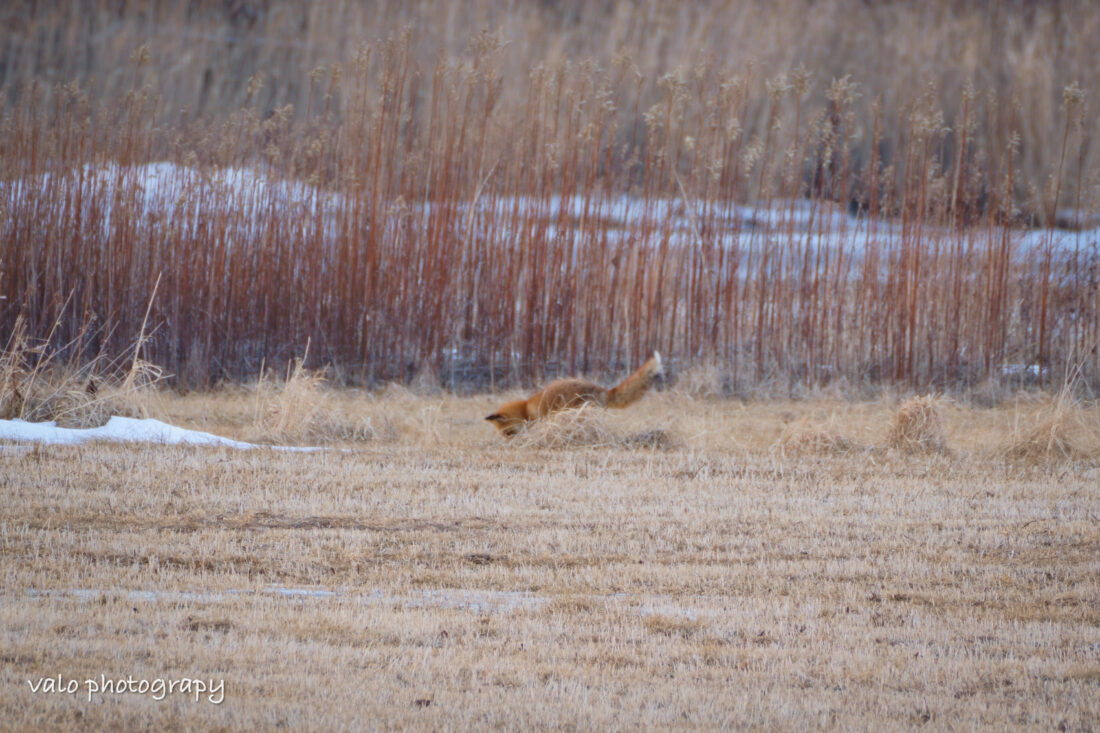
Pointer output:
x,y
563,394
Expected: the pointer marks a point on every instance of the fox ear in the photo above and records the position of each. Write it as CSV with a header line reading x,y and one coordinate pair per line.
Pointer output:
x,y
494,416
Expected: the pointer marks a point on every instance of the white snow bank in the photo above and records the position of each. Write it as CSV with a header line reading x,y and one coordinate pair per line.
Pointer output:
x,y
160,188
162,196
191,202
122,430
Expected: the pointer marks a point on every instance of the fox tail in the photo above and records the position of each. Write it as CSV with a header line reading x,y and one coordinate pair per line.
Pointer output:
x,y
633,387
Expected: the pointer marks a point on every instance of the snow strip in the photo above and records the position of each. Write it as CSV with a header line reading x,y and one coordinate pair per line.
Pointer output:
x,y
124,430
477,601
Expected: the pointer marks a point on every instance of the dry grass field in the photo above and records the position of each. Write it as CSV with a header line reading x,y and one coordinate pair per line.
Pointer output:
x,y
690,563
865,236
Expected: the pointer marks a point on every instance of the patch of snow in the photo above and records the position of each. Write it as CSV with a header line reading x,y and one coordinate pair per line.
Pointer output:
x,y
478,601
231,209
1023,370
123,430
301,592
164,195
690,607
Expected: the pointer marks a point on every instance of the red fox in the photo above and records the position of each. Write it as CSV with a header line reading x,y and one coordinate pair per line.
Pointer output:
x,y
562,394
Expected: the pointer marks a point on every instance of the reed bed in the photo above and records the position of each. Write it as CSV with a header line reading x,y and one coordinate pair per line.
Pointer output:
x,y
488,219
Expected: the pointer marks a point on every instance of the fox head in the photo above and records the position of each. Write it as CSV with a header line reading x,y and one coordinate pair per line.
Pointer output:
x,y
510,418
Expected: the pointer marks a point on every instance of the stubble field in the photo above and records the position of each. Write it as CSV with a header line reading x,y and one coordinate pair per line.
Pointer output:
x,y
693,562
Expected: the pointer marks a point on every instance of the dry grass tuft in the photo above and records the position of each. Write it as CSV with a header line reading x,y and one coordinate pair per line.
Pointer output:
x,y
810,435
1058,430
302,408
664,625
200,624
588,426
584,426
918,426
654,438
572,603
37,384
288,410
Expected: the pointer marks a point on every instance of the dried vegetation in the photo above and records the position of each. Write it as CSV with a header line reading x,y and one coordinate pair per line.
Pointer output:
x,y
725,579
917,425
1053,429
38,384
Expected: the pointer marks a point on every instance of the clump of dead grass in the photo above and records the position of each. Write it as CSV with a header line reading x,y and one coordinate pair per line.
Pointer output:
x,y
38,384
289,408
583,426
573,603
301,407
918,426
664,625
809,434
587,426
1059,430
653,438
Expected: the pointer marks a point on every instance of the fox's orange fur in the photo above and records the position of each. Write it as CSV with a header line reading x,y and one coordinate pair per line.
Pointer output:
x,y
562,394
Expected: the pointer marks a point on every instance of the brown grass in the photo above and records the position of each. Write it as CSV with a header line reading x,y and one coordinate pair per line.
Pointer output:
x,y
1057,429
300,408
464,580
917,425
812,434
37,384
585,426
